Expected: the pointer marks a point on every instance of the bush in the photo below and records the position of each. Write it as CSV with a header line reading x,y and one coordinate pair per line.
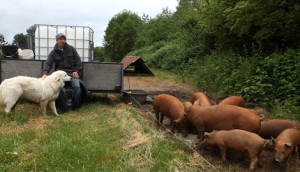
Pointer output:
x,y
276,79
221,73
162,55
286,109
147,54
261,81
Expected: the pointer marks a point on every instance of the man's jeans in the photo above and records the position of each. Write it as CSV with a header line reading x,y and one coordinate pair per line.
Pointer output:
x,y
61,101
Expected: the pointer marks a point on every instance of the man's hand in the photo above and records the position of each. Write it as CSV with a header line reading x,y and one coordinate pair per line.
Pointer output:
x,y
75,75
44,76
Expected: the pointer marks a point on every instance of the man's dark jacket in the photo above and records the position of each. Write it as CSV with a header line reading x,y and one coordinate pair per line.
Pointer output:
x,y
67,60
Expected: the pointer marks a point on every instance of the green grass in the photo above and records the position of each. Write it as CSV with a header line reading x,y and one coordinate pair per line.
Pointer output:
x,y
166,75
99,137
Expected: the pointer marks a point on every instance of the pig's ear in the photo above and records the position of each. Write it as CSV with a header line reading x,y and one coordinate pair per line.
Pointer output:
x,y
269,143
288,145
197,103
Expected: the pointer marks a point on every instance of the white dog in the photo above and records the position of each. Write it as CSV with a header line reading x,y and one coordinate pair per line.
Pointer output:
x,y
42,91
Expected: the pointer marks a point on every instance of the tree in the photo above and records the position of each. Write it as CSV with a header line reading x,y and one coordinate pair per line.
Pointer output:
x,y
31,30
121,34
145,18
271,26
155,30
20,40
30,36
2,39
99,54
192,30
2,42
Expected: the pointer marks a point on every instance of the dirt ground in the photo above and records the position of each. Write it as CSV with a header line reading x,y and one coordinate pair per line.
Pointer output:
x,y
235,162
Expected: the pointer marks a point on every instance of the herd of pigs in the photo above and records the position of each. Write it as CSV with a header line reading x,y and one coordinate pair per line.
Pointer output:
x,y
230,125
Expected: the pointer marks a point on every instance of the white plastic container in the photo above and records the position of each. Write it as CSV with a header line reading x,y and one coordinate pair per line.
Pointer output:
x,y
80,37
25,54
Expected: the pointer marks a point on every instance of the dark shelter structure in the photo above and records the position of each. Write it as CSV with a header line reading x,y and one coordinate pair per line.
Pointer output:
x,y
10,51
134,65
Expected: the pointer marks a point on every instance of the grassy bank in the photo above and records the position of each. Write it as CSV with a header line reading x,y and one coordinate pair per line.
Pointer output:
x,y
101,136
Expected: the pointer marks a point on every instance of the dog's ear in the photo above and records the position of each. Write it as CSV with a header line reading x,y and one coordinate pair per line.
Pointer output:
x,y
57,78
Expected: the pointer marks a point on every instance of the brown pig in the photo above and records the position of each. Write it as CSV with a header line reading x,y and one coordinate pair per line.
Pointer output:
x,y
201,99
222,117
233,100
272,127
285,145
238,140
238,101
171,107
191,128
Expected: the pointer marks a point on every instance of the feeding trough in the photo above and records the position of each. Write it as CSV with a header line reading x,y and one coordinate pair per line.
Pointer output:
x,y
134,96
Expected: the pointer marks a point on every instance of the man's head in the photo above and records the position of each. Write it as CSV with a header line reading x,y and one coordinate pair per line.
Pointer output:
x,y
61,40
59,36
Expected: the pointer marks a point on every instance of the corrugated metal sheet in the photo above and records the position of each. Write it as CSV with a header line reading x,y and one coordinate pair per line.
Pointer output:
x,y
128,60
137,64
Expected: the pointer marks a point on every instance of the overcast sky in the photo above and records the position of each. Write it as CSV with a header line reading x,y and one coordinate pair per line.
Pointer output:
x,y
16,16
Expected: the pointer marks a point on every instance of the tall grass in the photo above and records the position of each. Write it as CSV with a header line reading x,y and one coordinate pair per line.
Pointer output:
x,y
99,137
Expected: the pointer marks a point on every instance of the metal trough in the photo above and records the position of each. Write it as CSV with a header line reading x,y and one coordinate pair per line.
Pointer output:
x,y
134,96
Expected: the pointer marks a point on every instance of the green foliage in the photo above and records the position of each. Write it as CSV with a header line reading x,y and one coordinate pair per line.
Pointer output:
x,y
286,109
163,55
2,39
99,54
121,34
20,40
168,55
262,81
276,79
2,42
268,25
147,53
220,73
31,33
257,88
190,31
241,26
155,30
247,48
